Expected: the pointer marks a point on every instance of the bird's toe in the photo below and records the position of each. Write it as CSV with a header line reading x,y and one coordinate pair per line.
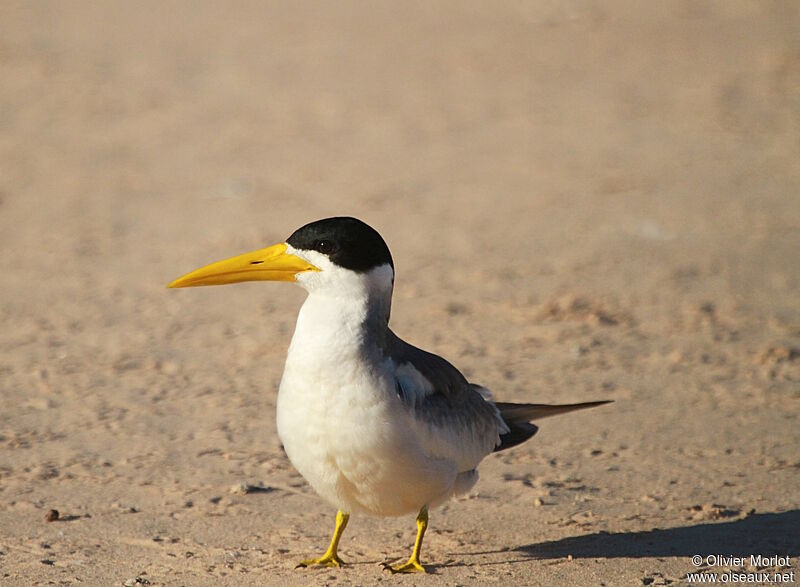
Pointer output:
x,y
324,561
409,567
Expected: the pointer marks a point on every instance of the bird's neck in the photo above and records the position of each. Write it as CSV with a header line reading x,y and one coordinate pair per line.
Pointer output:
x,y
332,327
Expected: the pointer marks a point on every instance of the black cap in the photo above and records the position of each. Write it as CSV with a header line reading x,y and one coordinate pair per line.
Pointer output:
x,y
347,242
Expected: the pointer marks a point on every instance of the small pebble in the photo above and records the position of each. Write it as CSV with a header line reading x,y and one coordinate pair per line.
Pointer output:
x,y
241,489
125,508
51,516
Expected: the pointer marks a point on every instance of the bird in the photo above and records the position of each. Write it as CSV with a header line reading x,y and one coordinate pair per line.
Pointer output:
x,y
374,424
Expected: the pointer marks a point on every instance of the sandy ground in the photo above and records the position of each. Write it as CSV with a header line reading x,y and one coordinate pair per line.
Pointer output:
x,y
584,200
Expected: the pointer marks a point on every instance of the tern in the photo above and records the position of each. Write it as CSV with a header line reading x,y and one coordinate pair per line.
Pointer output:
x,y
374,424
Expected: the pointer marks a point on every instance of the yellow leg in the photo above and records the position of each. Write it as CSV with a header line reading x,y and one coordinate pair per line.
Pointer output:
x,y
413,565
331,556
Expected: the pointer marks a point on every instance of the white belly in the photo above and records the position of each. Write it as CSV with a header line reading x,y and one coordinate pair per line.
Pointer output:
x,y
348,434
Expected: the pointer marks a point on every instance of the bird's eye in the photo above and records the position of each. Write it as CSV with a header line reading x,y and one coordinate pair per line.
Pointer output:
x,y
324,247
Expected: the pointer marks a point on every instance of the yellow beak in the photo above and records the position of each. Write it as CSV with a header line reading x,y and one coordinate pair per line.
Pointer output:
x,y
270,264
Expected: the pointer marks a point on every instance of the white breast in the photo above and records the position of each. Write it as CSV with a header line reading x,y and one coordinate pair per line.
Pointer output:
x,y
342,424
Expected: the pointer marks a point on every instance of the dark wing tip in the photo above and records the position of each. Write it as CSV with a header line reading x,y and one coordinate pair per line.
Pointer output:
x,y
594,404
518,418
512,412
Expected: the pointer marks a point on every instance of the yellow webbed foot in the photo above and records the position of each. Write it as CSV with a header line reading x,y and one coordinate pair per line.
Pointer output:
x,y
327,560
331,556
411,566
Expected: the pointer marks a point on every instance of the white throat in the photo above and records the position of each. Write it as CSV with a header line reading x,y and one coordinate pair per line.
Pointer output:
x,y
346,312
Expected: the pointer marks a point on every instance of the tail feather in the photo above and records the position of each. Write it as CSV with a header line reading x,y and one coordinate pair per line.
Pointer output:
x,y
518,418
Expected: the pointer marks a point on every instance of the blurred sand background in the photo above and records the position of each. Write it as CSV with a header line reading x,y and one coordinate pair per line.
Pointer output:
x,y
584,200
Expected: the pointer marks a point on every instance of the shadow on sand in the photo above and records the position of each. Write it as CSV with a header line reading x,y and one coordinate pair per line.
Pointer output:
x,y
765,534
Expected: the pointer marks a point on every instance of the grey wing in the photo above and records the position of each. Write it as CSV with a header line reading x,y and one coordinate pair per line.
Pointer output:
x,y
452,417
